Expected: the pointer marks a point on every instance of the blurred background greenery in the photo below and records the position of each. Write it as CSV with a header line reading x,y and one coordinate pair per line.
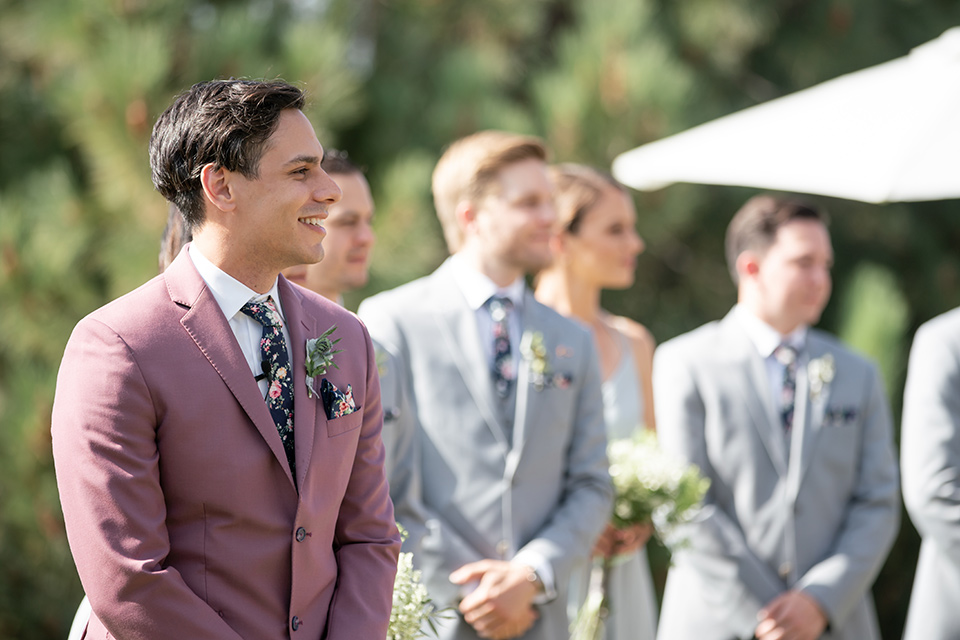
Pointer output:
x,y
393,81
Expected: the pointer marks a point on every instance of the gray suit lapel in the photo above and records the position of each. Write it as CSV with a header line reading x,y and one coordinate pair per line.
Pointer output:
x,y
751,372
808,416
457,326
531,320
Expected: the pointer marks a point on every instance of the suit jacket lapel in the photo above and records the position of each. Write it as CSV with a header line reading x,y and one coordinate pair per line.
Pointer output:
x,y
458,328
531,320
301,328
808,415
205,323
752,379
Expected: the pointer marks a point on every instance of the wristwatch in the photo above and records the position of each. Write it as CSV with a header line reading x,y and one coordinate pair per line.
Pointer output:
x,y
534,578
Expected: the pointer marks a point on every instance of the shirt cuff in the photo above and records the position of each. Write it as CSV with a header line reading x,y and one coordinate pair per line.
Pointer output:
x,y
544,571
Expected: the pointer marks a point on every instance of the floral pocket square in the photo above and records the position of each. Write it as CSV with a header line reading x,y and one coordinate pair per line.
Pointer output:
x,y
336,403
840,417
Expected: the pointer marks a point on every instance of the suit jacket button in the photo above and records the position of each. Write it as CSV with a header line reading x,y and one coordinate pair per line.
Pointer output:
x,y
301,534
295,623
502,547
785,569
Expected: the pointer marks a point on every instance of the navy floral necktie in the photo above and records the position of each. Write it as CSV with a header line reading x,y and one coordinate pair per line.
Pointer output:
x,y
787,356
276,365
500,307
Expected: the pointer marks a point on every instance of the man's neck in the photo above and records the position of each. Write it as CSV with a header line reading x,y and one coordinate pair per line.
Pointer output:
x,y
501,275
241,269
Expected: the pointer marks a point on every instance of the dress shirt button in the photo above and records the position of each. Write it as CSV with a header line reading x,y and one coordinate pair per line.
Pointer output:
x,y
301,534
785,569
295,623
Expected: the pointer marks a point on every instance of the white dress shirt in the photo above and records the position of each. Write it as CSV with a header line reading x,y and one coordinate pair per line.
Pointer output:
x,y
766,339
231,295
477,288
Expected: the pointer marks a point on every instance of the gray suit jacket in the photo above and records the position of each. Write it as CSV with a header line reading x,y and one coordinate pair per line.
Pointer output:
x,y
546,490
821,518
930,455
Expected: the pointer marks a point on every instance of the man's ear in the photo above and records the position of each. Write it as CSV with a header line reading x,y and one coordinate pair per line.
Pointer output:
x,y
465,213
217,186
748,265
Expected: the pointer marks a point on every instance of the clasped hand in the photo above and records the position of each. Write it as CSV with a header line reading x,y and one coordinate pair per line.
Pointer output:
x,y
615,542
501,607
792,615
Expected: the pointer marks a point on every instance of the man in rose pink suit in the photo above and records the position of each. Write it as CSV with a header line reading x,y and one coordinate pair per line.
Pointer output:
x,y
207,491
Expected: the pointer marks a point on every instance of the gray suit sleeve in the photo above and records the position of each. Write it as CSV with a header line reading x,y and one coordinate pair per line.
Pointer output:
x,y
399,430
930,437
587,492
873,516
716,544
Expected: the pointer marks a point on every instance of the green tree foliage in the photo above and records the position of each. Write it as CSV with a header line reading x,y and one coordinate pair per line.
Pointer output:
x,y
394,81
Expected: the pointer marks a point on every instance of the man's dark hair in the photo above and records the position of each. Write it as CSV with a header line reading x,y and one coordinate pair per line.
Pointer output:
x,y
755,225
224,122
337,161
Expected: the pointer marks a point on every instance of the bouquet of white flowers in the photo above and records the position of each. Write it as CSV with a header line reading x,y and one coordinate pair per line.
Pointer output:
x,y
412,606
651,487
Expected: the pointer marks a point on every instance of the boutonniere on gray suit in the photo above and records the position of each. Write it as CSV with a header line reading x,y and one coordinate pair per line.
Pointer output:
x,y
820,372
535,355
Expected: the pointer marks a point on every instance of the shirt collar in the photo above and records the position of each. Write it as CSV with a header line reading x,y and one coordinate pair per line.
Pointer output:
x,y
477,288
764,337
230,293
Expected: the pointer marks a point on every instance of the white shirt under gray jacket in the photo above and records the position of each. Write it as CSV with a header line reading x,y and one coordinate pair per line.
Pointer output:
x,y
814,508
530,484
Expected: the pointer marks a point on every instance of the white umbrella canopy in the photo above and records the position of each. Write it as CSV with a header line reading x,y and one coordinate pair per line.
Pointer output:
x,y
888,133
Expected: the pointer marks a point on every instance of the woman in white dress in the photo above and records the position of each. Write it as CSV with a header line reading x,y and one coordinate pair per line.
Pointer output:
x,y
596,248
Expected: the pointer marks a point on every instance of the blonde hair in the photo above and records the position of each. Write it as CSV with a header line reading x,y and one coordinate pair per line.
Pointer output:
x,y
468,171
577,189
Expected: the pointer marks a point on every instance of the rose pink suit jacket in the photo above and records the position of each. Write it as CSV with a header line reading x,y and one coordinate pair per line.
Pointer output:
x,y
181,513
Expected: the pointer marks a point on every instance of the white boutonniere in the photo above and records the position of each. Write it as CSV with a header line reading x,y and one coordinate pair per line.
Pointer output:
x,y
820,372
535,353
320,357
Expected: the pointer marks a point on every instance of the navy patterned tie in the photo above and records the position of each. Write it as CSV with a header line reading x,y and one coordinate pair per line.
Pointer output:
x,y
787,356
500,307
273,353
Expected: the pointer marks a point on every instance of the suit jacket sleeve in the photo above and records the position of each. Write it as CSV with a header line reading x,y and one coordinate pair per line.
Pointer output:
x,y
106,458
587,500
402,459
404,470
839,581
366,539
716,543
930,438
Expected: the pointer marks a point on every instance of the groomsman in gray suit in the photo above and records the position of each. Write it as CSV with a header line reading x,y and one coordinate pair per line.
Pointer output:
x,y
504,395
930,456
793,431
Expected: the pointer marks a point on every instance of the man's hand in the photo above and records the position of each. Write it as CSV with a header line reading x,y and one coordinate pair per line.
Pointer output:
x,y
501,607
614,542
791,616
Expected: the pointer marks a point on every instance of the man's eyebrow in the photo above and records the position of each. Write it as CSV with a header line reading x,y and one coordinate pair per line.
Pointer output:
x,y
303,160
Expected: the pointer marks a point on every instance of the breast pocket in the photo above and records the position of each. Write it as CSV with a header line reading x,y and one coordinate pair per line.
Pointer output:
x,y
349,422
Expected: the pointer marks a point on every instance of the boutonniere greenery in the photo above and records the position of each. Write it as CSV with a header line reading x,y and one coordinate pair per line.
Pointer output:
x,y
820,372
320,357
535,353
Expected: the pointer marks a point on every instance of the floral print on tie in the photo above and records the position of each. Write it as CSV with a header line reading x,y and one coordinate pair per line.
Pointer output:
x,y
273,350
787,356
500,307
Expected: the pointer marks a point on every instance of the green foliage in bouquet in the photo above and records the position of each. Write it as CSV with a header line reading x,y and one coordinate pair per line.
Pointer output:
x,y
652,486
412,606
